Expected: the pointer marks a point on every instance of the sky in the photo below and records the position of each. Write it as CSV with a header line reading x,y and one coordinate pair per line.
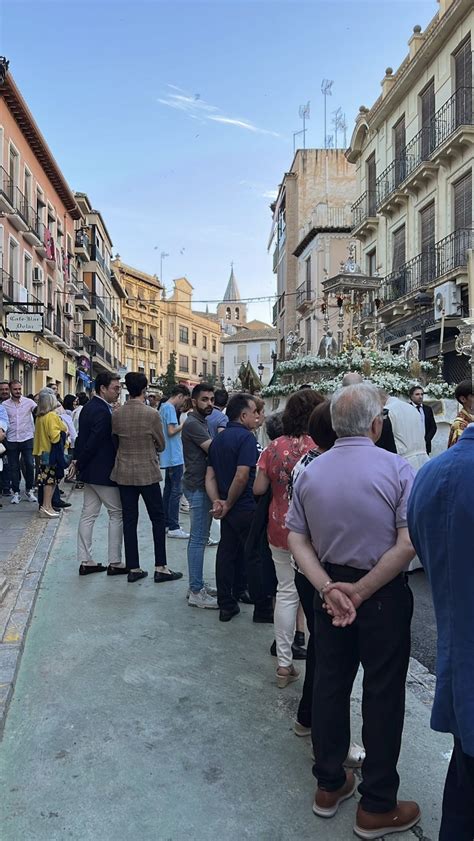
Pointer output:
x,y
177,118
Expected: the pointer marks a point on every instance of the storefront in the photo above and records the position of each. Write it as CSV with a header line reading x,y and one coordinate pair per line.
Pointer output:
x,y
18,364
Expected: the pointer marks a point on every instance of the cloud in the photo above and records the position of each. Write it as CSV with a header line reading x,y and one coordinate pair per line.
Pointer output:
x,y
270,194
198,109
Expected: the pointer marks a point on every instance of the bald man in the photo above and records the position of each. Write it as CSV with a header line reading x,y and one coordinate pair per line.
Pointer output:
x,y
352,378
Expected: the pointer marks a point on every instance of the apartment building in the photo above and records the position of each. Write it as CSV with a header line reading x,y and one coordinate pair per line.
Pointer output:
x,y
316,192
38,268
144,320
256,343
193,336
98,326
413,151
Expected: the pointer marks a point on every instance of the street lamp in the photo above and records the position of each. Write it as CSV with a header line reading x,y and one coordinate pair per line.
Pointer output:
x,y
260,369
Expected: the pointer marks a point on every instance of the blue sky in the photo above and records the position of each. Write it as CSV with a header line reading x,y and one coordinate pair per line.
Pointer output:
x,y
177,118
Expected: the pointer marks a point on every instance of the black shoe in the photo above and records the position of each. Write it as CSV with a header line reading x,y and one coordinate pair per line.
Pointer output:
x,y
160,577
84,569
244,597
299,653
116,570
62,504
227,615
299,639
273,649
263,616
135,576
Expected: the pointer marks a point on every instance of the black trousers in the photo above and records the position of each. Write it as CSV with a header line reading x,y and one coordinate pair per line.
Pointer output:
x,y
457,823
129,497
379,639
230,558
307,593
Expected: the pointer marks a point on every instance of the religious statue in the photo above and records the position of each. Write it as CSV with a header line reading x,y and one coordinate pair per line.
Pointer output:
x,y
411,349
327,346
249,378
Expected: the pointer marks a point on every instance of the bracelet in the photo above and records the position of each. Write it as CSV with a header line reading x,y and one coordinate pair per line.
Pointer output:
x,y
323,588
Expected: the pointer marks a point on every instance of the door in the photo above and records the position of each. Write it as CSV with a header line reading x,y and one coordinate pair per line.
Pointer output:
x,y
427,121
398,285
427,235
399,144
463,83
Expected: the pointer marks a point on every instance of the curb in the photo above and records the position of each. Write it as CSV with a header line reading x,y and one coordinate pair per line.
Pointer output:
x,y
13,640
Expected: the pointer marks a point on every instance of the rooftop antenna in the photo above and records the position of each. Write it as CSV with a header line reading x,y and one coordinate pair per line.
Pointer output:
x,y
337,120
304,113
326,86
343,127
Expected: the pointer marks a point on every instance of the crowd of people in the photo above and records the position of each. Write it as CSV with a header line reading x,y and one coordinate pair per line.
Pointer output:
x,y
323,522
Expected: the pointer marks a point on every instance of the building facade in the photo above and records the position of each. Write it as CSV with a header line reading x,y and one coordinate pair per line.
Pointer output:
x,y
193,336
144,321
98,324
255,344
414,152
38,213
317,190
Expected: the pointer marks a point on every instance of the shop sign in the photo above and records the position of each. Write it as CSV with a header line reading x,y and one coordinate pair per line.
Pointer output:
x,y
43,363
71,369
25,322
18,353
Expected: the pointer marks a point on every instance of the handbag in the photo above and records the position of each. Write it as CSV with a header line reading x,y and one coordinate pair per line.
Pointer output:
x,y
44,459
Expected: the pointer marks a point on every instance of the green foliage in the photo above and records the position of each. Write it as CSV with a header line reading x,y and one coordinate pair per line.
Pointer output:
x,y
167,381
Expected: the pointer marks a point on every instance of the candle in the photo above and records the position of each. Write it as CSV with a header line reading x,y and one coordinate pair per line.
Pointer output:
x,y
441,335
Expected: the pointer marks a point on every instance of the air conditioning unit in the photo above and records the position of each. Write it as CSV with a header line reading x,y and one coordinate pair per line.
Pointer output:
x,y
447,297
38,279
68,310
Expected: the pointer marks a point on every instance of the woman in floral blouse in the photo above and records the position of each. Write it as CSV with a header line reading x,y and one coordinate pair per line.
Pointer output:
x,y
274,469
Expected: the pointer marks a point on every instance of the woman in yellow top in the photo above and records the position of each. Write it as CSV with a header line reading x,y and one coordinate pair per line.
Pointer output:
x,y
48,430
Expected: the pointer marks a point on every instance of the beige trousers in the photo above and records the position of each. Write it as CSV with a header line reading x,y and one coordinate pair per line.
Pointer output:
x,y
94,497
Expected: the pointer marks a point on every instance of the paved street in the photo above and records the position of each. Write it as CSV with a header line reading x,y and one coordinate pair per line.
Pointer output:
x,y
424,624
136,717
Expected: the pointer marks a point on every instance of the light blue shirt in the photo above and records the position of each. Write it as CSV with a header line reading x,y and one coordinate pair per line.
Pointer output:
x,y
215,421
172,455
3,418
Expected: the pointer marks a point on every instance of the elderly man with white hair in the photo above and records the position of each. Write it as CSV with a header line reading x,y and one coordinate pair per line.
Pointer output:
x,y
349,536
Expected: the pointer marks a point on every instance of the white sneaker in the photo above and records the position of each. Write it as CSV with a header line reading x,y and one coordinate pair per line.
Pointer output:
x,y
31,496
211,591
212,542
184,507
179,533
15,499
354,758
203,599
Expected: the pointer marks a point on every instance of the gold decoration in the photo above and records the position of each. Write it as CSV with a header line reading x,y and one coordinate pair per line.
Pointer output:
x,y
415,369
366,368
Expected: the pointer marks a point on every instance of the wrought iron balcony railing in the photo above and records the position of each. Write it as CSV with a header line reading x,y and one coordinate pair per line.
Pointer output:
x,y
304,294
364,208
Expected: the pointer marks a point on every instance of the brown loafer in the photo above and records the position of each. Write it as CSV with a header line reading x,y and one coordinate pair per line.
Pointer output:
x,y
326,803
370,825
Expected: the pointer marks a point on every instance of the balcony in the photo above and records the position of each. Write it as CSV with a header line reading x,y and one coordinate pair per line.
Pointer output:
x,y
34,233
444,260
82,246
82,298
41,247
19,217
364,214
275,314
451,128
7,285
304,295
276,257
129,339
6,191
78,341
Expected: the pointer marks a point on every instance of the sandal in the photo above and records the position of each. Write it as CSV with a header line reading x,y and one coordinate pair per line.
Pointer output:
x,y
289,675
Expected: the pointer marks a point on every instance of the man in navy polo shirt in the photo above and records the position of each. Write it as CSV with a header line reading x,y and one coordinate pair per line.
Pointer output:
x,y
229,484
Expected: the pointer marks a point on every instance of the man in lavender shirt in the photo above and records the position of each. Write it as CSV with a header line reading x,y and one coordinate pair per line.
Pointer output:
x,y
348,534
20,436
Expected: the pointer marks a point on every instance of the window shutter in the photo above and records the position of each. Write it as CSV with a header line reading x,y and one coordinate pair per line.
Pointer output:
x,y
398,248
463,83
427,226
371,185
463,203
400,143
427,120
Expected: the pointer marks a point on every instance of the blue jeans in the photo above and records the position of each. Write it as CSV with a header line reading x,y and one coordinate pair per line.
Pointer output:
x,y
15,449
200,516
171,496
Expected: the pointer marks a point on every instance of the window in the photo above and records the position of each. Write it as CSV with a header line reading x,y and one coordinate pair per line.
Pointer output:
x,y
371,173
141,338
214,369
204,342
237,313
195,339
28,272
241,354
152,374
128,335
307,275
399,141
13,252
398,248
428,128
204,369
183,335
463,202
372,262
153,340
13,163
40,205
194,366
183,363
427,238
228,314
265,352
214,345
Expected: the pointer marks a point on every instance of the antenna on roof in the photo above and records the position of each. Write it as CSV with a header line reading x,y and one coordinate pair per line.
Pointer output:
x,y
326,86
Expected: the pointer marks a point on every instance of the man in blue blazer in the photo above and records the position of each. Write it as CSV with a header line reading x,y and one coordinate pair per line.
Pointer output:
x,y
441,525
94,459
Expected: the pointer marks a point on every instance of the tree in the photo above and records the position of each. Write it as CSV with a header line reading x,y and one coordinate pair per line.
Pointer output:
x,y
167,381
